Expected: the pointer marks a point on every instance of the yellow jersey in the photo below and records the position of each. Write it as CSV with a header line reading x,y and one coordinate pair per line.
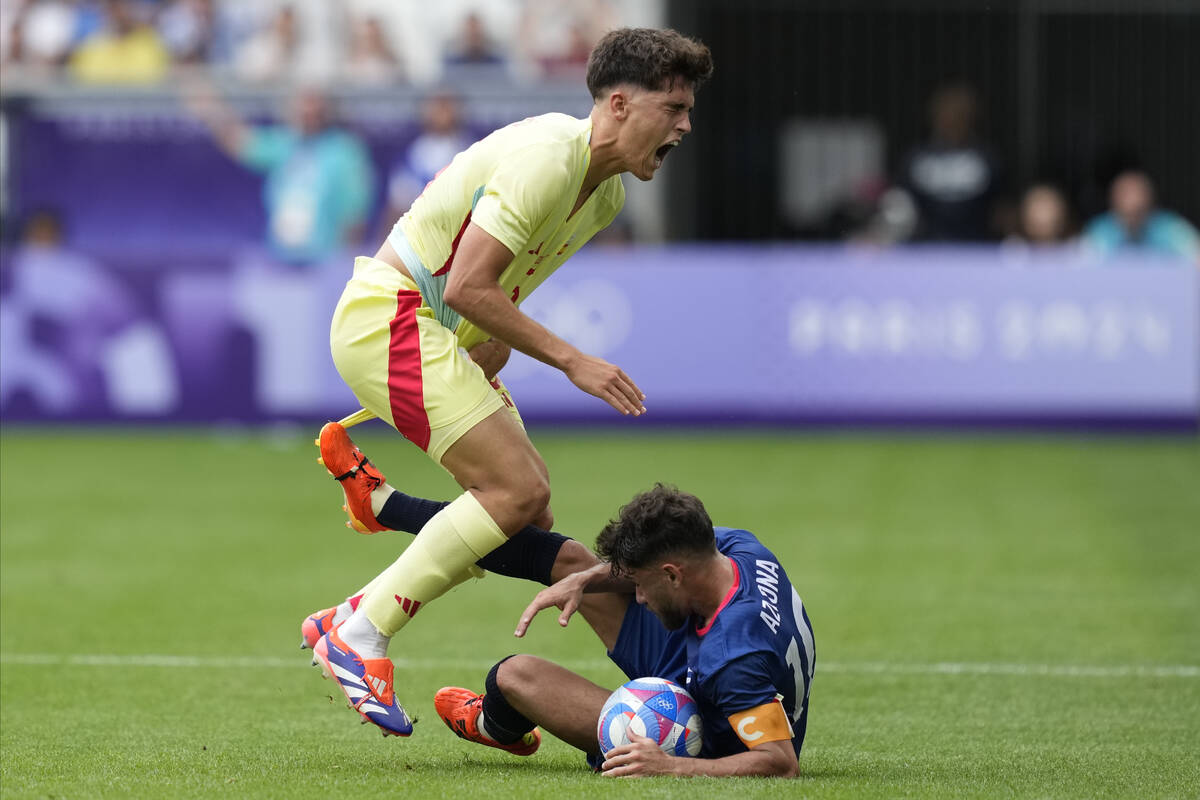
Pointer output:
x,y
519,184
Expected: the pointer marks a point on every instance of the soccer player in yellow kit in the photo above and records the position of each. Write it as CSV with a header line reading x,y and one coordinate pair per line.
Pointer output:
x,y
423,327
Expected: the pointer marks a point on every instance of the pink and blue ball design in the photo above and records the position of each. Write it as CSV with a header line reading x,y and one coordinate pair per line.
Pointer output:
x,y
655,708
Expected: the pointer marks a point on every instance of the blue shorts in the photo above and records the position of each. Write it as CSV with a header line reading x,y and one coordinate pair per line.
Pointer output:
x,y
646,649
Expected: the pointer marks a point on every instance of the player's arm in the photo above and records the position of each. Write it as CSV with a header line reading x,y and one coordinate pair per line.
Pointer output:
x,y
764,729
567,594
643,757
742,690
473,290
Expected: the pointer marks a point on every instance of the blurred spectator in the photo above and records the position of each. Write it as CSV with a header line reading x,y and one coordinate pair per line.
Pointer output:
x,y
954,178
126,50
37,34
370,58
190,30
1043,218
473,47
270,53
301,40
557,37
319,178
442,137
1133,221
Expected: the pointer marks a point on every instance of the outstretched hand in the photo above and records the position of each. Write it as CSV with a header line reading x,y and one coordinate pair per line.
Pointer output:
x,y
565,595
608,382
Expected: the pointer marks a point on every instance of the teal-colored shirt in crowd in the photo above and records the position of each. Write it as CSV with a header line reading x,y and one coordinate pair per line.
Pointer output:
x,y
317,187
1164,232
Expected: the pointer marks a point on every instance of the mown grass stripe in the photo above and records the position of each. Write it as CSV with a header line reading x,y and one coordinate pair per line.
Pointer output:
x,y
851,667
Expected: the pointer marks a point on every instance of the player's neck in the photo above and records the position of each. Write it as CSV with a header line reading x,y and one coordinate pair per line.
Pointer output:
x,y
606,159
714,587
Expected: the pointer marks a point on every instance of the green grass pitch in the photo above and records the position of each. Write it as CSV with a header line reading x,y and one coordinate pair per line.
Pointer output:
x,y
996,616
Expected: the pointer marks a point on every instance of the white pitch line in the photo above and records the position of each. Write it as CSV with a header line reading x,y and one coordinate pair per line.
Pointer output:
x,y
1031,670
843,667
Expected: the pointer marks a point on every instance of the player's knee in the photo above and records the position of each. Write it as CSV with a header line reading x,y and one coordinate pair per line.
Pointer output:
x,y
544,520
533,499
517,675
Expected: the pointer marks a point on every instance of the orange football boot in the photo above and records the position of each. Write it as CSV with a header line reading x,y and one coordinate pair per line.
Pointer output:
x,y
358,476
460,710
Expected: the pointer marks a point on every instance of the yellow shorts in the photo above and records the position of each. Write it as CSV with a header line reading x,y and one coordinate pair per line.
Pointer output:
x,y
405,366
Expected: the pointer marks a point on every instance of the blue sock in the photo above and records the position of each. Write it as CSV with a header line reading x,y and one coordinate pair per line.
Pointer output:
x,y
403,512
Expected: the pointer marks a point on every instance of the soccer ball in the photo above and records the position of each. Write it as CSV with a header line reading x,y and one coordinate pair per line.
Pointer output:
x,y
652,707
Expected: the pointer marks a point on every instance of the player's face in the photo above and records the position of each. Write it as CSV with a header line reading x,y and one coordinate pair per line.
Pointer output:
x,y
657,122
655,589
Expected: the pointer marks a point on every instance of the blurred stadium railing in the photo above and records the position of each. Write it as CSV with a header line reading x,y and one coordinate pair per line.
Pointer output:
x,y
715,334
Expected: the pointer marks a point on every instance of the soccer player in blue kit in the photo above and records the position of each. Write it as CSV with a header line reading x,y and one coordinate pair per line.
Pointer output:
x,y
714,612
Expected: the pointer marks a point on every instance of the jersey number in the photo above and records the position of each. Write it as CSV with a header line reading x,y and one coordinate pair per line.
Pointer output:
x,y
794,661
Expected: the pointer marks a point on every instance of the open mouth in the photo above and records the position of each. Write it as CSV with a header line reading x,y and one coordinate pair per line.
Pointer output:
x,y
661,153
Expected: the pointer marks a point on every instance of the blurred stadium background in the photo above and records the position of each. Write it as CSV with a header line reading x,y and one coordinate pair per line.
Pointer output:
x,y
917,214
849,234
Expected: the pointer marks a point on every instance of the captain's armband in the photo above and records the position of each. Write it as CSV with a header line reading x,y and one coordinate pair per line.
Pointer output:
x,y
765,723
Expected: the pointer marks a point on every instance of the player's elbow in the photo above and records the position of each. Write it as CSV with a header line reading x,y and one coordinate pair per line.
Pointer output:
x,y
465,299
786,768
455,297
781,765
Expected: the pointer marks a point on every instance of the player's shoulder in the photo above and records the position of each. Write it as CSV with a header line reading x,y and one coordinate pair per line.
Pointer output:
x,y
546,130
547,148
739,542
763,583
739,633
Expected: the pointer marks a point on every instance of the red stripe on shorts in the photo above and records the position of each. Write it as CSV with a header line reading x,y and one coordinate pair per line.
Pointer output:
x,y
404,371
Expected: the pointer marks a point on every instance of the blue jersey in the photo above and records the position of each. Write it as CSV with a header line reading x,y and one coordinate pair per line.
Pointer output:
x,y
756,651
757,648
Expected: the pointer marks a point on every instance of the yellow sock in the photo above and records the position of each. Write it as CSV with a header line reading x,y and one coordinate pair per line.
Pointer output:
x,y
442,556
473,571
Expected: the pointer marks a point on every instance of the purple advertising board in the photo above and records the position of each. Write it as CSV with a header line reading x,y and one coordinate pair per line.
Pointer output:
x,y
710,333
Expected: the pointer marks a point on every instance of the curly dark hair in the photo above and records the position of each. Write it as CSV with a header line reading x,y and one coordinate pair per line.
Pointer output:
x,y
663,522
646,57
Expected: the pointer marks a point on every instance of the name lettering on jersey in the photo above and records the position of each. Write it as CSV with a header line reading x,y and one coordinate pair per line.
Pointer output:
x,y
766,580
537,250
762,724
